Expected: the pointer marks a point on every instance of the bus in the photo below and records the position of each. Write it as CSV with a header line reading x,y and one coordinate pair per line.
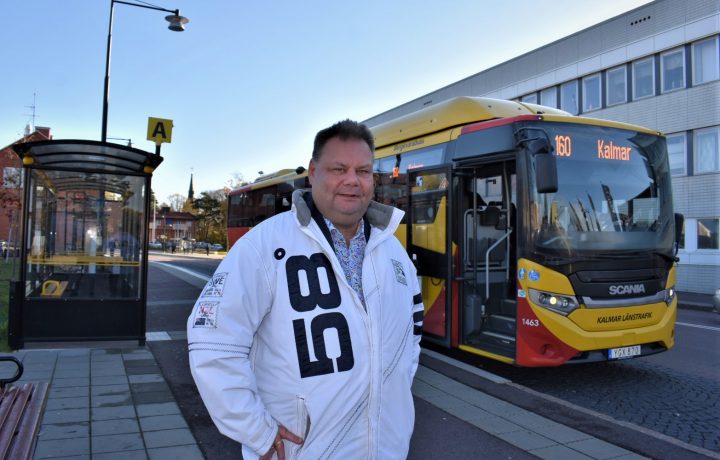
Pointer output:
x,y
540,238
268,195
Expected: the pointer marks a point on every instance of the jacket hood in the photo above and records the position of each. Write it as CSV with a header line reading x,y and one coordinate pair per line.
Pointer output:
x,y
378,215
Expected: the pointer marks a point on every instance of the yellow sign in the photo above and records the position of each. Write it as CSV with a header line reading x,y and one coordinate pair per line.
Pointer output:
x,y
159,130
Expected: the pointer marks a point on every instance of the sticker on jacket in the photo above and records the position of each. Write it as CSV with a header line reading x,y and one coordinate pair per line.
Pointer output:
x,y
206,315
216,286
399,272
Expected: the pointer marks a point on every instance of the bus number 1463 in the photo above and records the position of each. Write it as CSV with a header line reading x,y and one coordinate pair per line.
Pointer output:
x,y
531,322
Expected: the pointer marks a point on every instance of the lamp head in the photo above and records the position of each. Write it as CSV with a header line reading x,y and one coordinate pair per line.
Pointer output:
x,y
177,22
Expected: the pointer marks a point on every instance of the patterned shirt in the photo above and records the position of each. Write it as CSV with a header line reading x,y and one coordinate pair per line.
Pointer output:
x,y
351,258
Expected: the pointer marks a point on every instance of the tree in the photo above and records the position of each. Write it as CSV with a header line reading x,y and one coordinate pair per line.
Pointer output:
x,y
177,202
210,210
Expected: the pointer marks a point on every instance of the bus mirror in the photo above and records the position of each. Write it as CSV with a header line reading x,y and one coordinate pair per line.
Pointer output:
x,y
679,223
546,180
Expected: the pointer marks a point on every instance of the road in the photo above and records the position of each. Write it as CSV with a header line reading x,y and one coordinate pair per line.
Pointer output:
x,y
676,393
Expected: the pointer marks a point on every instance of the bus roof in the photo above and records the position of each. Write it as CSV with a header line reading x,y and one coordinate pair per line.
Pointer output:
x,y
460,111
457,111
276,177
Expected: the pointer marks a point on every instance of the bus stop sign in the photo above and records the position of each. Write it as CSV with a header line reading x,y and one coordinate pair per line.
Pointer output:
x,y
159,130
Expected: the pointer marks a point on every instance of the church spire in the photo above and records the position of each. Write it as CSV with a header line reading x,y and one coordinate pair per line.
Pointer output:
x,y
191,192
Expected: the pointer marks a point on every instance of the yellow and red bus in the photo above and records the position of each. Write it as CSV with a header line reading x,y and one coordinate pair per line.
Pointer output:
x,y
540,238
270,194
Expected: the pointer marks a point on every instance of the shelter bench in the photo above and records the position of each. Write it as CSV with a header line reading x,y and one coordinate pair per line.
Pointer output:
x,y
21,409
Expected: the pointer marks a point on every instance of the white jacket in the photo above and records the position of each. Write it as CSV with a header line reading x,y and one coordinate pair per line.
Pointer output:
x,y
279,337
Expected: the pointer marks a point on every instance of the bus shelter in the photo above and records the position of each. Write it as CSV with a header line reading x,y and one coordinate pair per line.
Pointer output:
x,y
83,269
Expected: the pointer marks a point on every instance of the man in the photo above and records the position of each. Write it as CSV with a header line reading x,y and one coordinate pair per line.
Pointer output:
x,y
305,342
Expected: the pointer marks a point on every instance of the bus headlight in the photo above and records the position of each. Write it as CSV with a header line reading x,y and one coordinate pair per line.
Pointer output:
x,y
562,304
669,295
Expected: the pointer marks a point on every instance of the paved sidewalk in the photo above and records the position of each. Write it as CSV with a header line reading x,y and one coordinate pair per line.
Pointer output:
x,y
521,428
107,404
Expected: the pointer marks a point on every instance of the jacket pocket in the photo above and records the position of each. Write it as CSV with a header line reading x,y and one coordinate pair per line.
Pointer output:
x,y
301,428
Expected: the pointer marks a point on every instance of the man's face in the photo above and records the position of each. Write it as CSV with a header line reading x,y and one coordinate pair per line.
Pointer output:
x,y
342,181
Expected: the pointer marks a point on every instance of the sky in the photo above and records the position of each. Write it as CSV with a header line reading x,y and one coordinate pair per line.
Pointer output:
x,y
249,83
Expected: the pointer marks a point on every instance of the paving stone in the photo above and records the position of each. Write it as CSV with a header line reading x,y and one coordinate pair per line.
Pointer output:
x,y
102,390
64,430
114,400
62,448
110,413
153,397
168,438
162,422
145,378
115,426
596,448
147,410
149,386
66,416
69,392
558,452
189,452
117,443
107,371
109,380
72,382
67,403
526,439
127,455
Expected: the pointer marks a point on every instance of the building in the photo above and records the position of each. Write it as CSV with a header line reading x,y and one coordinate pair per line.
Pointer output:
x,y
167,226
656,66
11,190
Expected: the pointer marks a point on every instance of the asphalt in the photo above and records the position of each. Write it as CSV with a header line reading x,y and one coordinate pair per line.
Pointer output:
x,y
119,400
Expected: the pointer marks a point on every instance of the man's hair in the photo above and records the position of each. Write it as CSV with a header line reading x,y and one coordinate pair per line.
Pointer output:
x,y
344,130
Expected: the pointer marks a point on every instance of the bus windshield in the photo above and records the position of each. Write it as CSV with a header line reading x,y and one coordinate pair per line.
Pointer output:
x,y
614,193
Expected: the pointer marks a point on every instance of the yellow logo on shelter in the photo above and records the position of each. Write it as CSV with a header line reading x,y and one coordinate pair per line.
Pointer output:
x,y
159,130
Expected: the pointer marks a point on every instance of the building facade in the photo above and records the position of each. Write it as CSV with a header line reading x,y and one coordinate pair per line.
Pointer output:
x,y
11,186
656,66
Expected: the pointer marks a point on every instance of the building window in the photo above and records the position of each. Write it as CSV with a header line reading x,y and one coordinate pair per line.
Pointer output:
x,y
676,153
681,243
529,98
643,78
616,86
705,61
548,97
707,150
707,233
591,92
672,70
569,97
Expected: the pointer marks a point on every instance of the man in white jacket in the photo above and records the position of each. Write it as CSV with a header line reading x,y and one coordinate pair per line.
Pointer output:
x,y
305,342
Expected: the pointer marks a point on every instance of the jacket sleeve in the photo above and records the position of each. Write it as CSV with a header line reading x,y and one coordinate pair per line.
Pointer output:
x,y
220,330
418,314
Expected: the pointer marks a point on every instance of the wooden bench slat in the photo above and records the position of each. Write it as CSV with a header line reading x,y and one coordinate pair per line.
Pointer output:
x,y
9,426
23,445
7,399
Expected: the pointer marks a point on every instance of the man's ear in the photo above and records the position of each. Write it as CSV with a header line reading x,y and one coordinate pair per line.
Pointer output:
x,y
311,171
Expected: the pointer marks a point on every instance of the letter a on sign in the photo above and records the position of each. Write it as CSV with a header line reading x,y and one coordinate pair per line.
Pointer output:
x,y
159,130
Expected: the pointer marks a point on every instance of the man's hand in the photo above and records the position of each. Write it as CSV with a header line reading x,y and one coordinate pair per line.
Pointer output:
x,y
279,446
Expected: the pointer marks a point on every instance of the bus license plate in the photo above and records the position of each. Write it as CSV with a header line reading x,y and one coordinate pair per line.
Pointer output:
x,y
624,352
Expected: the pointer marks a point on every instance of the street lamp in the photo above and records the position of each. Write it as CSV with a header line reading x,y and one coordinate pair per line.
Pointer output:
x,y
177,24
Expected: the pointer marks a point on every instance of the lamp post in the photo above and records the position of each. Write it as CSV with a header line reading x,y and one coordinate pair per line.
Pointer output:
x,y
177,24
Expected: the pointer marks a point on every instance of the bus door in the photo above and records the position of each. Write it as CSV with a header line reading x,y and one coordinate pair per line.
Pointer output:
x,y
429,246
486,205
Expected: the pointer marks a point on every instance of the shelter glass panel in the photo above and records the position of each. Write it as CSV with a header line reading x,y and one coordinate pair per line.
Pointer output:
x,y
85,235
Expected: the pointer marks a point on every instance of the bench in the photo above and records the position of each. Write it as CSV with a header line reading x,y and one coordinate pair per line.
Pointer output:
x,y
21,408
